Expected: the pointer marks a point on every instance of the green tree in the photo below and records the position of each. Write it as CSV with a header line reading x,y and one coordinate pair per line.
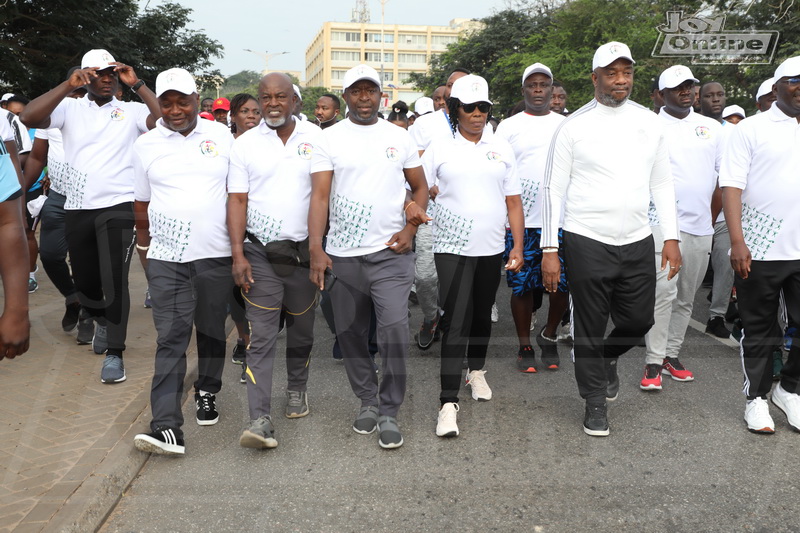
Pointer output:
x,y
44,39
310,97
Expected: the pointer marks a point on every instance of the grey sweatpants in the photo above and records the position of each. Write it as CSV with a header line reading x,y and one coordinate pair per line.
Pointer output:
x,y
186,295
268,294
723,272
426,277
383,280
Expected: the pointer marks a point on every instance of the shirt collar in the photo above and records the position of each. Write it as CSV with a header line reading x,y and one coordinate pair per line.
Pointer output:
x,y
486,136
266,130
200,127
663,113
91,103
776,114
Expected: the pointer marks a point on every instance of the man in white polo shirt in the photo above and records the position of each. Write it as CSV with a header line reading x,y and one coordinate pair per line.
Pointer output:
x,y
695,148
605,163
270,187
530,134
761,191
181,168
359,173
99,132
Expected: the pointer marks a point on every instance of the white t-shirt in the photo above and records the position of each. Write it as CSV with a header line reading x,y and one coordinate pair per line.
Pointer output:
x,y
9,182
762,157
695,151
474,180
97,145
368,190
603,166
430,127
56,164
276,178
184,180
530,137
21,136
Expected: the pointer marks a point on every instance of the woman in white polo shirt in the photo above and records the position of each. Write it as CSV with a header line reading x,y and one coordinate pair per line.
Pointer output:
x,y
478,190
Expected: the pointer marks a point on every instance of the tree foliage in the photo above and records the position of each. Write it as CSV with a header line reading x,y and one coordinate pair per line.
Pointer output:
x,y
44,39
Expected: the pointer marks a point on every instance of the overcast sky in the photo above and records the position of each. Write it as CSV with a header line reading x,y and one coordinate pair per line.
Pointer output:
x,y
267,25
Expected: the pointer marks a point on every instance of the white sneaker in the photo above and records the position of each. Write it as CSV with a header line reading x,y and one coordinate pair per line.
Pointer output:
x,y
495,314
533,321
477,382
447,427
789,403
756,414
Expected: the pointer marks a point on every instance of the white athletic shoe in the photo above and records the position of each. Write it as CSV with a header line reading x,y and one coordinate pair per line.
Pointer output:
x,y
477,382
495,314
789,403
756,414
447,426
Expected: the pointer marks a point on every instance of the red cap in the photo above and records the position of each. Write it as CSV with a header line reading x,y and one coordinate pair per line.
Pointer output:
x,y
221,103
206,115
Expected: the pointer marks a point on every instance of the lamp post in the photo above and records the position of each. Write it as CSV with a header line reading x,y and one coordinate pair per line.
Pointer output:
x,y
266,56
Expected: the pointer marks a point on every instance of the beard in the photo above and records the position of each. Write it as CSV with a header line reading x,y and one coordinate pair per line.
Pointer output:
x,y
364,120
275,122
610,101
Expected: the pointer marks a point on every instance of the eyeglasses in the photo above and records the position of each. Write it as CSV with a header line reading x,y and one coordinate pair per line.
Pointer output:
x,y
792,81
483,107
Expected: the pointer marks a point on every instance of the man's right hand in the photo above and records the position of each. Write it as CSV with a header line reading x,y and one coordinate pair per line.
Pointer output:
x,y
242,273
15,334
81,77
741,259
551,271
319,262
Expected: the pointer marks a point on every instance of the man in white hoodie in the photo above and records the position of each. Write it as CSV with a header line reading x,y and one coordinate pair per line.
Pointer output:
x,y
606,161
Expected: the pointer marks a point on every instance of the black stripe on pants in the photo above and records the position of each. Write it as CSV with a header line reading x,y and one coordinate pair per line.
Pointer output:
x,y
100,244
467,289
53,244
607,281
757,298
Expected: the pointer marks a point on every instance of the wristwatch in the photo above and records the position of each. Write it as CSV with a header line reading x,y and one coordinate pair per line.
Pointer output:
x,y
136,86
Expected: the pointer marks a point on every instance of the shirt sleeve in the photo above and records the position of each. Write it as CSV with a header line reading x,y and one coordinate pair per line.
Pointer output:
x,y
141,183
557,173
25,142
321,160
59,115
511,183
41,133
412,158
142,112
429,165
418,135
662,190
238,177
738,151
6,132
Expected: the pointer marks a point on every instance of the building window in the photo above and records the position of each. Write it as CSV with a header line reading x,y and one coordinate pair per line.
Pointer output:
x,y
340,55
404,77
388,76
411,58
376,56
376,37
349,36
442,40
413,38
337,74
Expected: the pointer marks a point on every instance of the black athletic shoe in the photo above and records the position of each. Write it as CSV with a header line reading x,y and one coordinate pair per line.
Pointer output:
x,y
426,334
71,317
526,360
163,441
239,354
85,328
612,389
595,422
716,327
243,377
207,414
549,350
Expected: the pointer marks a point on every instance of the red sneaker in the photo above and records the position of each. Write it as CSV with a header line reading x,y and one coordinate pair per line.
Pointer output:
x,y
652,377
675,369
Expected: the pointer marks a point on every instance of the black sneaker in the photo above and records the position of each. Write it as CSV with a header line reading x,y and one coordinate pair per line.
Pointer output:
x,y
732,313
549,350
71,317
243,377
207,414
716,327
427,334
85,328
239,354
612,389
163,441
526,360
595,422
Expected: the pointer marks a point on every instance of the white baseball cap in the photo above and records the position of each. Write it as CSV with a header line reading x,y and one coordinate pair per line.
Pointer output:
x,y
789,68
6,97
674,76
470,89
765,88
733,110
175,79
610,52
97,58
297,92
423,105
533,69
361,72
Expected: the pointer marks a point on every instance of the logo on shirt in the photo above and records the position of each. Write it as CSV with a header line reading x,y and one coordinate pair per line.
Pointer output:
x,y
493,156
117,114
392,154
304,150
209,148
703,132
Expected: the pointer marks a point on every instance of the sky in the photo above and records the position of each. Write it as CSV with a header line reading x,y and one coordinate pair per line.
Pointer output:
x,y
262,26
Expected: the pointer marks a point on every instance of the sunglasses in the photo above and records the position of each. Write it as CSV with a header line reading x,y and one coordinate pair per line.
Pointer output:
x,y
483,107
792,81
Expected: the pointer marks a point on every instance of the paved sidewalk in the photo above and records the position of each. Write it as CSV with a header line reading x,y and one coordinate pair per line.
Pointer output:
x,y
65,437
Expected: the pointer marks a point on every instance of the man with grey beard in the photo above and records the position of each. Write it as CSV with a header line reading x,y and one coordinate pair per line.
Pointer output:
x,y
606,162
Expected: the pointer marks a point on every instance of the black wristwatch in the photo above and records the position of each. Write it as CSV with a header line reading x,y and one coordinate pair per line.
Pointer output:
x,y
136,86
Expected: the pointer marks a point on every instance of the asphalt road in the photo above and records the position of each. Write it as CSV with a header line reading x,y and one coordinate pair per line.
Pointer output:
x,y
676,460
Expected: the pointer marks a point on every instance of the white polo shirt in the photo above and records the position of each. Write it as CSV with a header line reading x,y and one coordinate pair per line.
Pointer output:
x,y
9,182
56,164
530,137
603,166
368,191
429,127
474,180
184,180
97,144
276,178
695,152
762,157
